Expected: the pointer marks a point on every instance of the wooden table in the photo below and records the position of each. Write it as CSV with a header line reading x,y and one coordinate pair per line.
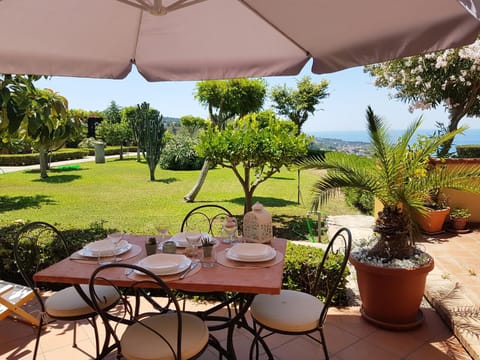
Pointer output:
x,y
243,282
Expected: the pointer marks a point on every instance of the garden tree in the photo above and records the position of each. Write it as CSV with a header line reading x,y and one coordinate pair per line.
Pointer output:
x,y
114,134
192,124
298,104
48,125
81,117
129,116
113,113
255,147
151,132
15,97
449,77
225,100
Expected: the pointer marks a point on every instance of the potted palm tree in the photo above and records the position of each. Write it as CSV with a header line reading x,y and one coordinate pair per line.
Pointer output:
x,y
391,270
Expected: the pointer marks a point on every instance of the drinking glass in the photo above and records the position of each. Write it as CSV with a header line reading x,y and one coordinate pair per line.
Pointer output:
x,y
116,239
193,239
162,227
230,227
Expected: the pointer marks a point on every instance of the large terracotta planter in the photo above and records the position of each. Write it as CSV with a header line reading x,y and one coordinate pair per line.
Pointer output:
x,y
432,222
391,297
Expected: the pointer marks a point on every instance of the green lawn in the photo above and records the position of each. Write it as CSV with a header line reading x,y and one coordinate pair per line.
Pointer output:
x,y
120,194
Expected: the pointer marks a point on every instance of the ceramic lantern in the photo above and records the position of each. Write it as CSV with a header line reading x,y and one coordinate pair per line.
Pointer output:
x,y
257,225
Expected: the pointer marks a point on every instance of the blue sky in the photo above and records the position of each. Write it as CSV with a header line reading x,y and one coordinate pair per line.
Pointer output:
x,y
351,91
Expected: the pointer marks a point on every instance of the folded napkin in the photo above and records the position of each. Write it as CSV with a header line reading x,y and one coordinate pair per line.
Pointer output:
x,y
104,247
250,251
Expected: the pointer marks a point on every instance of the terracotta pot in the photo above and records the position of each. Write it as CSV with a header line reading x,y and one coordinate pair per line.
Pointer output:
x,y
391,297
459,223
432,222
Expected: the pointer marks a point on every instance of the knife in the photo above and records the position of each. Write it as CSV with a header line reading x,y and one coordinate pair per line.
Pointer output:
x,y
192,266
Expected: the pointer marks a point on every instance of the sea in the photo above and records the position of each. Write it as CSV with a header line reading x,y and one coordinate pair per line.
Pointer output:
x,y
471,136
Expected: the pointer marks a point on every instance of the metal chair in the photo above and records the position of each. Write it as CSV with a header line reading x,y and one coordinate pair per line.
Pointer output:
x,y
155,326
35,243
206,218
298,313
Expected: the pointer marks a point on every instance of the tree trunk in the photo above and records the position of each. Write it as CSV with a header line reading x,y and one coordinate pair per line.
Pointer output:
x,y
248,202
190,197
43,163
152,173
121,151
138,153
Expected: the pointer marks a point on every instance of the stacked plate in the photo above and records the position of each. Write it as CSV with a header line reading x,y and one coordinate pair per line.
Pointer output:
x,y
105,247
165,264
251,252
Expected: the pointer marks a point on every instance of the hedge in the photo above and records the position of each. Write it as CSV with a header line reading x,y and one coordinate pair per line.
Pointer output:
x,y
468,151
33,159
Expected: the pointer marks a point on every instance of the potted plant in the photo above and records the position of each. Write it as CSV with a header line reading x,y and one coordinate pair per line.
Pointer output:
x,y
459,218
151,246
433,220
391,271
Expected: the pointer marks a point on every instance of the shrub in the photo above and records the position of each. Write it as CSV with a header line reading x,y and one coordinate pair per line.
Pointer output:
x,y
468,151
75,239
361,200
32,159
300,267
179,154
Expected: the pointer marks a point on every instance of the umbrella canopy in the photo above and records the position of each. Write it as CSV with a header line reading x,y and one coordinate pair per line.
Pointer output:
x,y
218,39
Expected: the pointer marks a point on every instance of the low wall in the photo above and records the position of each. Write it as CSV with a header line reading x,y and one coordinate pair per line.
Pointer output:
x,y
461,199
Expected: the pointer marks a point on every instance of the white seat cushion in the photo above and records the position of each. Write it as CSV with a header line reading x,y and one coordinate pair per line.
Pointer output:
x,y
68,302
292,311
140,343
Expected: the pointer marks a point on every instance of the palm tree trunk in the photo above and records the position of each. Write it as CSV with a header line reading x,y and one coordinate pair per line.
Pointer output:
x,y
190,197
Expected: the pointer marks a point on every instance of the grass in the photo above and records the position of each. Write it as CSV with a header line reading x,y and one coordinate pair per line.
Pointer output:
x,y
120,195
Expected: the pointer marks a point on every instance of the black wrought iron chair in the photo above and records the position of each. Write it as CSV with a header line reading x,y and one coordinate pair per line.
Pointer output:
x,y
298,313
156,328
35,243
207,218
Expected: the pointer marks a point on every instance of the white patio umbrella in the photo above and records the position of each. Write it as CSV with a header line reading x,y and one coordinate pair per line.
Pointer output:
x,y
215,39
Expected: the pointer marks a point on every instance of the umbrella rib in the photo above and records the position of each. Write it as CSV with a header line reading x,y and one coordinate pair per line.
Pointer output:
x,y
156,8
307,53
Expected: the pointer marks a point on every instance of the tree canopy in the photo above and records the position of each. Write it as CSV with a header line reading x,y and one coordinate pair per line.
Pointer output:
x,y
450,78
298,104
226,99
255,147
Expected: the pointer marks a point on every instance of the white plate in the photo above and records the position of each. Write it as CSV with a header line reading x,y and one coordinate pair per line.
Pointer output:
x,y
165,264
242,252
86,251
182,242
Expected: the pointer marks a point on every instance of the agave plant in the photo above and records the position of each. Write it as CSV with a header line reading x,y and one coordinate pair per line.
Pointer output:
x,y
399,175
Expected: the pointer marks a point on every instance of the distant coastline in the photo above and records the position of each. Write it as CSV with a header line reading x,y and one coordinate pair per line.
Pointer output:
x,y
471,136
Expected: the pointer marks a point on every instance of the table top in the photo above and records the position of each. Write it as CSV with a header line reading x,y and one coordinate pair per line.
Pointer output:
x,y
252,279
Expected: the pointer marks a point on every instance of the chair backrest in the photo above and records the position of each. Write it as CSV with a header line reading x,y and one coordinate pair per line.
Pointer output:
x,y
147,296
206,218
37,244
331,268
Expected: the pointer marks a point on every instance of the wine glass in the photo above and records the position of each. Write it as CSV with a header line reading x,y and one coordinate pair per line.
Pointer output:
x,y
116,240
162,227
230,227
193,239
